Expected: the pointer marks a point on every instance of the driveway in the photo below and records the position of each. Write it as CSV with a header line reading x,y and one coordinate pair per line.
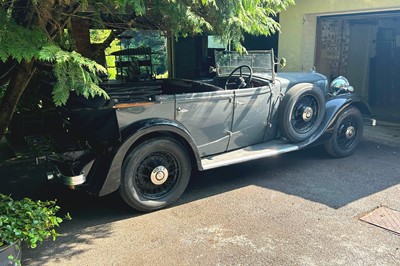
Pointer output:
x,y
300,208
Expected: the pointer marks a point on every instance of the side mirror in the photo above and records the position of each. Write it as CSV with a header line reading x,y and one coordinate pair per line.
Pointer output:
x,y
282,62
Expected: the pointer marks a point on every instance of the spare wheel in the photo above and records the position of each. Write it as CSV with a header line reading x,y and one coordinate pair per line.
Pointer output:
x,y
301,112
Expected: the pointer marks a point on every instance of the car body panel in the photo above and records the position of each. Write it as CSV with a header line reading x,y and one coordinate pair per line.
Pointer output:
x,y
215,111
163,106
251,109
288,80
131,135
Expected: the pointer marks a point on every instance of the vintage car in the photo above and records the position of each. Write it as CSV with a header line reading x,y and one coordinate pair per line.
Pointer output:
x,y
146,139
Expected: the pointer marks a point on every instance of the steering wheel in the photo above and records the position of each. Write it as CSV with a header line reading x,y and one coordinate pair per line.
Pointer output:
x,y
243,80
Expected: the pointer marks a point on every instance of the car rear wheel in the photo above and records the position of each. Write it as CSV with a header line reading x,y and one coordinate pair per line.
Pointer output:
x,y
301,113
155,174
347,133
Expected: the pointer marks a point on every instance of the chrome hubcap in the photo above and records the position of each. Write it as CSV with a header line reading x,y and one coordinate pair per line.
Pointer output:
x,y
159,175
350,131
308,114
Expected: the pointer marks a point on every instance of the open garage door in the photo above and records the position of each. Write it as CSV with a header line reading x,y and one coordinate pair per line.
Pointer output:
x,y
365,48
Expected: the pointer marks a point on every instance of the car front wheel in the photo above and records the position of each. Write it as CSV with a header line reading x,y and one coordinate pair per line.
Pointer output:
x,y
155,174
347,133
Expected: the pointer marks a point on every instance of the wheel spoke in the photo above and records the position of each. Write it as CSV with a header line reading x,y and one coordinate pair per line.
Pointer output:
x,y
346,142
143,177
299,124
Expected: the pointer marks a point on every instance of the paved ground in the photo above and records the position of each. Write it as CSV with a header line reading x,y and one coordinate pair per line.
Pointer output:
x,y
384,132
296,209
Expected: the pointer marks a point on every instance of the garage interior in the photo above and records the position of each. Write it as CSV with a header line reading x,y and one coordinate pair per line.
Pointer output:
x,y
366,49
192,56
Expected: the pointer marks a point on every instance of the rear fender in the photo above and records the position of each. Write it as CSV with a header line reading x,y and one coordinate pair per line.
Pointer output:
x,y
334,106
131,135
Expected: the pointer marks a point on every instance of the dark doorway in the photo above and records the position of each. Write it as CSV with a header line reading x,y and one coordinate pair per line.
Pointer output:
x,y
366,49
261,42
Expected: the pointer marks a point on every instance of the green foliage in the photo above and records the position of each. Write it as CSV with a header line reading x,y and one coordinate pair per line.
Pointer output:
x,y
99,36
14,260
16,42
73,72
248,16
27,220
227,18
36,30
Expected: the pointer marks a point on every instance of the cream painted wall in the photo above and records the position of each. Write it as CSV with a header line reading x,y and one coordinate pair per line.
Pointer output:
x,y
298,26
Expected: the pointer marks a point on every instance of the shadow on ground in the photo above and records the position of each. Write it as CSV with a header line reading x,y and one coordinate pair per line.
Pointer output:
x,y
309,174
313,175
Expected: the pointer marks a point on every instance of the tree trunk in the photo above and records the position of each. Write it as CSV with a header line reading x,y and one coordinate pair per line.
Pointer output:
x,y
18,82
81,35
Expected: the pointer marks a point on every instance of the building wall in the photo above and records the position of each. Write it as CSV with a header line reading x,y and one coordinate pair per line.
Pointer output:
x,y
298,26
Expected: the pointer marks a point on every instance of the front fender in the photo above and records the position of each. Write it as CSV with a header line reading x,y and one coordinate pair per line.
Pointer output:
x,y
334,106
130,135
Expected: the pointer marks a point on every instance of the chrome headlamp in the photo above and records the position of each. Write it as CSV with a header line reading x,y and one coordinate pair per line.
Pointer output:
x,y
340,85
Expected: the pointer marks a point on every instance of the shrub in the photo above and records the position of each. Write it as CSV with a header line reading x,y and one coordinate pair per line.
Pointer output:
x,y
27,220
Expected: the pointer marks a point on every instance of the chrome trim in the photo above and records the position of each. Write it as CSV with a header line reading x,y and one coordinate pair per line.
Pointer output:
x,y
350,131
308,114
50,175
340,85
159,175
73,180
55,174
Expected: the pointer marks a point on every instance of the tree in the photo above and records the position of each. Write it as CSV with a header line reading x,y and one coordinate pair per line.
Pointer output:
x,y
37,35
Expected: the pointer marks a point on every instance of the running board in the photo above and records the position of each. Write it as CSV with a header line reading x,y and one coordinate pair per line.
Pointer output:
x,y
249,153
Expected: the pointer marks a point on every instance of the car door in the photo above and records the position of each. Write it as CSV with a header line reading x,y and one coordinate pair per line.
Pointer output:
x,y
274,101
250,118
208,117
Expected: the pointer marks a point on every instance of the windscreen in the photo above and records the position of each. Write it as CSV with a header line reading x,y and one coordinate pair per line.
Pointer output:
x,y
260,61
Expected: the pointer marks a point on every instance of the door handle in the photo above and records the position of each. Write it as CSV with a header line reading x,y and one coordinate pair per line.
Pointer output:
x,y
181,110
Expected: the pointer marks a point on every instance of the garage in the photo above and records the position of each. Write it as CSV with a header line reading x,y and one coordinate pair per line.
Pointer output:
x,y
365,47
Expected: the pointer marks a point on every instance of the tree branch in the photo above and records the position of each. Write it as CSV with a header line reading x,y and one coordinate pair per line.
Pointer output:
x,y
7,67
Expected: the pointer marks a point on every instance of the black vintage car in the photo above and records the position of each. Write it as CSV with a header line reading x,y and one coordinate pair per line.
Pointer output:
x,y
146,139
